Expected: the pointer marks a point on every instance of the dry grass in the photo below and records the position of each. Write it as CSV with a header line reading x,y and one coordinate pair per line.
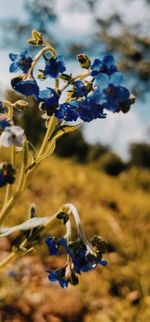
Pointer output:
x,y
112,207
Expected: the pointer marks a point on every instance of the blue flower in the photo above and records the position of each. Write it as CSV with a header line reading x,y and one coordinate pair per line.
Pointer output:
x,y
2,179
112,93
87,110
103,66
79,89
103,80
90,109
4,122
114,96
83,260
68,111
103,262
58,276
49,100
20,61
52,246
25,87
54,67
2,108
7,174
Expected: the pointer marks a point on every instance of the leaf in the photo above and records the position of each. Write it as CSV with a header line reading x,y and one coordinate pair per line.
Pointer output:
x,y
27,225
49,151
32,149
36,34
37,38
64,129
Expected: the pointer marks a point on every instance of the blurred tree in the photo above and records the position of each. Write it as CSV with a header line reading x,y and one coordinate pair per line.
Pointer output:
x,y
39,15
73,145
140,155
111,163
76,147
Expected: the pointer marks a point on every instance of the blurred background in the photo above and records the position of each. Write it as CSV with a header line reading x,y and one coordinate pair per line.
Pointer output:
x,y
106,165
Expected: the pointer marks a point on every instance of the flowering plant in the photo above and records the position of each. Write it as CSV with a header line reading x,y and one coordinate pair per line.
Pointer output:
x,y
64,105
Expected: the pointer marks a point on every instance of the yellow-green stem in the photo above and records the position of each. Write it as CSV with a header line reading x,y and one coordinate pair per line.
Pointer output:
x,y
10,203
38,56
9,187
50,129
11,256
23,175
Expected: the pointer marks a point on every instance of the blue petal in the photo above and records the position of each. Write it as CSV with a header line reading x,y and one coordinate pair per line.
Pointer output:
x,y
63,283
123,94
60,58
52,276
96,64
102,80
103,262
14,67
14,57
111,105
109,60
2,179
52,246
46,93
116,79
25,53
27,87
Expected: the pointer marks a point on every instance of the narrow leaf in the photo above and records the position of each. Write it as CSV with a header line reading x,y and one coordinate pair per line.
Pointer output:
x,y
27,225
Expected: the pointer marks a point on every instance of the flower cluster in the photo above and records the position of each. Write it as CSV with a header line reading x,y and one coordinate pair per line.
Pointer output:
x,y
83,97
82,257
7,174
89,96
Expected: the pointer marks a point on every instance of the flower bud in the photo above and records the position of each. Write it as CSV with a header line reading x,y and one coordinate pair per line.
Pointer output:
x,y
37,38
84,61
21,105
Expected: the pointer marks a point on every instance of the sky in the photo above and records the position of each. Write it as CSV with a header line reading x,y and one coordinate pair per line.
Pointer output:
x,y
118,130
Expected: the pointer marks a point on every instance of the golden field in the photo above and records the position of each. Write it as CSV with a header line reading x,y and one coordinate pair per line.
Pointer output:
x,y
117,208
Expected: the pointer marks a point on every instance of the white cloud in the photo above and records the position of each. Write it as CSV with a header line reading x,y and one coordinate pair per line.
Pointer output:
x,y
118,130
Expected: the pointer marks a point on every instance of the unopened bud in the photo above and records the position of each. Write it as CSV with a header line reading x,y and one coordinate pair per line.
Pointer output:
x,y
84,61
